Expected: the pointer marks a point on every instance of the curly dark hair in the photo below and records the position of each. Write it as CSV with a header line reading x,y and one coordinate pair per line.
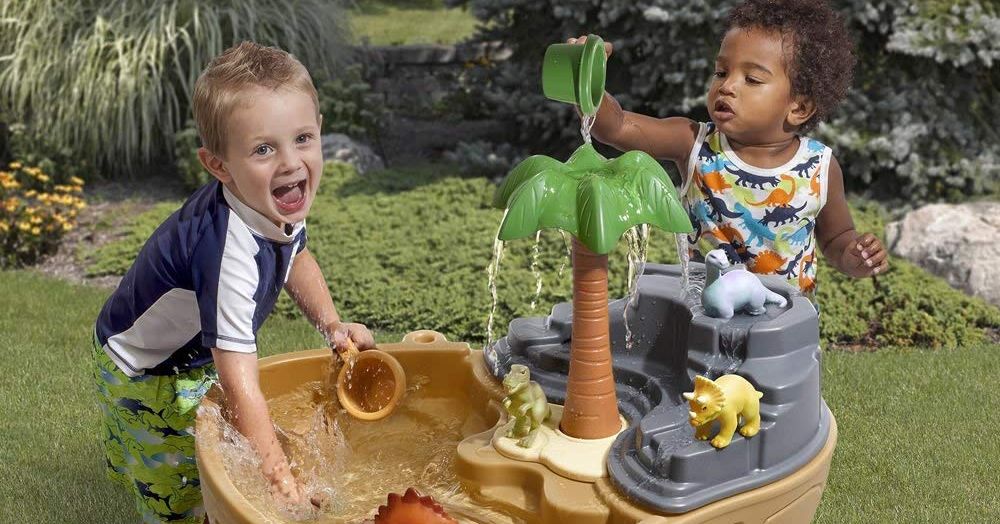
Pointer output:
x,y
821,67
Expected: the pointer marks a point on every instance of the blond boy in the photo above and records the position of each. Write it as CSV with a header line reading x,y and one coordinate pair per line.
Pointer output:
x,y
187,312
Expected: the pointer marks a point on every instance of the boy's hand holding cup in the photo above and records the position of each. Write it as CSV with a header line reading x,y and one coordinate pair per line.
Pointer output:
x,y
338,333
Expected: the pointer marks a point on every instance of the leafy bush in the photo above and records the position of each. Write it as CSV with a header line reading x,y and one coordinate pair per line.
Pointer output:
x,y
35,212
349,105
112,80
408,249
919,122
186,144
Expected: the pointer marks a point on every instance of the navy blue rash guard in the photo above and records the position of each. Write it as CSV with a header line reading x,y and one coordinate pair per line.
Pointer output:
x,y
208,277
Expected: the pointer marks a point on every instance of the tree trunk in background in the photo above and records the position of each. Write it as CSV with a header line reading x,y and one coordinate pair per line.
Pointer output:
x,y
591,409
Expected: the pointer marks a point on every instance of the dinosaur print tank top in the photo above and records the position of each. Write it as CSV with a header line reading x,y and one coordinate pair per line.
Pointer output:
x,y
764,218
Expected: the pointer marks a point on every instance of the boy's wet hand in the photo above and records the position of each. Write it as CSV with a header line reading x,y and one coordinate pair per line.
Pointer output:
x,y
608,48
286,490
868,256
339,333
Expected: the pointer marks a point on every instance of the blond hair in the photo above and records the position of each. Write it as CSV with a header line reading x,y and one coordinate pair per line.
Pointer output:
x,y
222,86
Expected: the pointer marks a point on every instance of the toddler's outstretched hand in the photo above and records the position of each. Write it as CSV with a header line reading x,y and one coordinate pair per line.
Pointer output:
x,y
583,39
866,257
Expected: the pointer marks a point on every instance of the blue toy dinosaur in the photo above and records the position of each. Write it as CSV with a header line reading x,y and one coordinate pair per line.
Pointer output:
x,y
735,290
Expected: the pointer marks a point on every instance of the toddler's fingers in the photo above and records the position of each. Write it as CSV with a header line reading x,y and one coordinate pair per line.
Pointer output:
x,y
875,259
863,242
881,268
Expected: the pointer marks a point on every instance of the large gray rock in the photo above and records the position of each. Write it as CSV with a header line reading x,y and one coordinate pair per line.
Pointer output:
x,y
960,243
343,148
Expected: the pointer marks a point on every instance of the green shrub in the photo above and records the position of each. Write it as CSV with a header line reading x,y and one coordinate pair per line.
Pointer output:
x,y
35,212
189,168
408,249
349,105
917,125
112,80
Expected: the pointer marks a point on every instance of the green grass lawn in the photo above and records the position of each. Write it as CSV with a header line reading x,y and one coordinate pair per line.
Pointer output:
x,y
384,22
917,428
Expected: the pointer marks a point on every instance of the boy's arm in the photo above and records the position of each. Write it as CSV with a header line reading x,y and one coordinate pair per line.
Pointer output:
x,y
239,381
663,138
308,288
851,253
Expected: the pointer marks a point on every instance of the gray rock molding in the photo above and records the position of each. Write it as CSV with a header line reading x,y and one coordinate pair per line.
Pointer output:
x,y
657,462
958,243
340,147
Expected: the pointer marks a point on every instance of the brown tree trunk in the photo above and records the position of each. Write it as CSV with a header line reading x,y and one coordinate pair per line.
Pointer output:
x,y
591,409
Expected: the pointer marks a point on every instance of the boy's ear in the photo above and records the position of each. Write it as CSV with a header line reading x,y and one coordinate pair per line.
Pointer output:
x,y
214,165
802,110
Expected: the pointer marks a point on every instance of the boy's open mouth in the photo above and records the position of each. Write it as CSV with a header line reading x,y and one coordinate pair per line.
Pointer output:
x,y
290,197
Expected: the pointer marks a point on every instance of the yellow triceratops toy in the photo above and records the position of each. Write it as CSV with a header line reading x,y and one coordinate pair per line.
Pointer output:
x,y
726,398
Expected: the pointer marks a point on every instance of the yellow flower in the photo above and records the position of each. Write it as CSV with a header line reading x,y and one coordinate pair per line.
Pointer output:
x,y
36,231
36,220
43,178
23,226
67,227
15,165
80,205
30,193
76,180
4,227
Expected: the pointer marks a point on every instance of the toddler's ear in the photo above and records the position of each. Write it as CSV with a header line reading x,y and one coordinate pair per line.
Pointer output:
x,y
802,110
214,165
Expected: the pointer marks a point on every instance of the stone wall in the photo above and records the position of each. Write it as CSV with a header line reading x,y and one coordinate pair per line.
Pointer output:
x,y
425,88
414,78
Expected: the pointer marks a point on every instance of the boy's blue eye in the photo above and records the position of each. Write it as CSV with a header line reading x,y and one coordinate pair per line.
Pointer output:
x,y
261,149
303,138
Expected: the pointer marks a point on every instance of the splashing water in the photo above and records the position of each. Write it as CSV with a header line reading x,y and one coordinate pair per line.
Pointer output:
x,y
586,123
569,252
535,271
692,284
637,241
352,465
493,271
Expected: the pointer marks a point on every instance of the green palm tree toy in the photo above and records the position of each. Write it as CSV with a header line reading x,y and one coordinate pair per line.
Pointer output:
x,y
595,200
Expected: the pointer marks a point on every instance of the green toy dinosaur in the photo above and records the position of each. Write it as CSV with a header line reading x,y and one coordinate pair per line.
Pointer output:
x,y
525,403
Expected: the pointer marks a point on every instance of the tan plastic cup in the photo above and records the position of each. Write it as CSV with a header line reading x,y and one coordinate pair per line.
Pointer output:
x,y
372,387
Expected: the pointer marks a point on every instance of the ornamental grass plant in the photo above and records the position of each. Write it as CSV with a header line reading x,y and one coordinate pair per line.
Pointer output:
x,y
112,80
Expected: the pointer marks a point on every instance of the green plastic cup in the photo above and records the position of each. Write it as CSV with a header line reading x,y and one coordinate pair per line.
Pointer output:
x,y
574,73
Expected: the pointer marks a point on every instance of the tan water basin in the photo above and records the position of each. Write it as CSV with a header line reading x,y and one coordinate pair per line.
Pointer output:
x,y
438,441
